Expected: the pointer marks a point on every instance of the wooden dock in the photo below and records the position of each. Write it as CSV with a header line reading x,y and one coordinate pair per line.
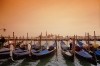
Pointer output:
x,y
51,39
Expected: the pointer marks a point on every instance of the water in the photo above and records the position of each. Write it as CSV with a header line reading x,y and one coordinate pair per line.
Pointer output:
x,y
50,61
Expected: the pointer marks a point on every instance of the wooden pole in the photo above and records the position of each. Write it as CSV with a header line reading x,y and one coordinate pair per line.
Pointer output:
x,y
14,39
27,36
88,42
34,41
76,38
13,35
73,46
31,40
8,39
46,36
94,49
85,38
94,38
23,38
40,41
67,39
56,49
88,39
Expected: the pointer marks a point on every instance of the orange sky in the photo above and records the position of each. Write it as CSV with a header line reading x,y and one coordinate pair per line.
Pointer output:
x,y
64,17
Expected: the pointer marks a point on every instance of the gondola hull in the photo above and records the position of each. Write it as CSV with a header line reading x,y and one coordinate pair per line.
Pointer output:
x,y
67,56
4,55
44,55
66,52
20,54
91,60
97,54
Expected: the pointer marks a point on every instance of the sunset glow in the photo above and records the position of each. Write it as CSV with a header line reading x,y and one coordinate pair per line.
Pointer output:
x,y
64,17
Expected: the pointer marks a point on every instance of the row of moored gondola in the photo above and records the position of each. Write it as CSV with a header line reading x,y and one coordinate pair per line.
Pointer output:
x,y
77,48
22,52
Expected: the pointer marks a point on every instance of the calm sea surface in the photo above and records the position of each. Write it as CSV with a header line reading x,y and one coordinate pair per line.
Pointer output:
x,y
50,61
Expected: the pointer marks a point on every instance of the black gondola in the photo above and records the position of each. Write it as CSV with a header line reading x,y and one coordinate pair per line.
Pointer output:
x,y
66,52
4,53
83,54
41,53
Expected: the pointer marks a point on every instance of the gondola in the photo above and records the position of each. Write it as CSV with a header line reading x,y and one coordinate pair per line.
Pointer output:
x,y
21,52
83,54
66,52
97,53
96,48
18,53
43,52
4,51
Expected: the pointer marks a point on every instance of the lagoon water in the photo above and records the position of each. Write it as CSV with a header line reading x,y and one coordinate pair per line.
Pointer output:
x,y
50,61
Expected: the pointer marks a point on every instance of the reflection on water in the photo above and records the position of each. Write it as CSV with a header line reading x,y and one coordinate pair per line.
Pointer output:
x,y
84,63
28,62
49,61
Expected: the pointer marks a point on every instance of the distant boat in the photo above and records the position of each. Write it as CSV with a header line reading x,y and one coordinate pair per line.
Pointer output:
x,y
66,52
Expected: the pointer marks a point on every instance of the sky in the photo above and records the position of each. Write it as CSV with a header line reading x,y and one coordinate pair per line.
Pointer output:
x,y
63,17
